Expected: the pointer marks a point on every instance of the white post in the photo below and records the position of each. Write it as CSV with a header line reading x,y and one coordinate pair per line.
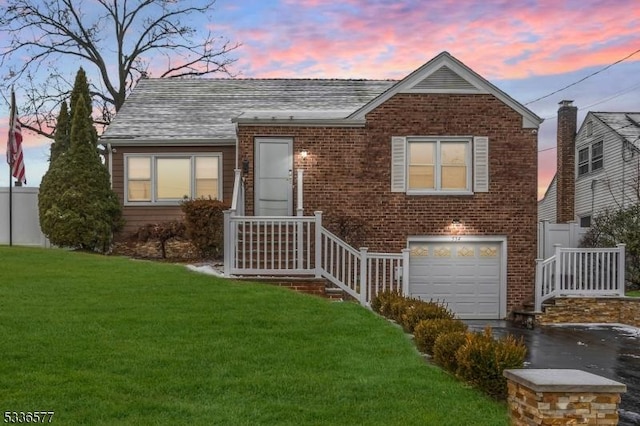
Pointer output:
x,y
318,267
557,279
365,291
227,243
300,187
621,269
300,227
538,290
405,271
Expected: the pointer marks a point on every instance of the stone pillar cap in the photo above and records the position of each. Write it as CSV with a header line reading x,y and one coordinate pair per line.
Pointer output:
x,y
563,380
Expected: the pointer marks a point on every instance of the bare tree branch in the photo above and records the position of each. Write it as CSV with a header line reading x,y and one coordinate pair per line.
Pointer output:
x,y
114,41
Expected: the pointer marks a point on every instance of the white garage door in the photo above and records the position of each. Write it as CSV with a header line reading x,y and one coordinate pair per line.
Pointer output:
x,y
466,275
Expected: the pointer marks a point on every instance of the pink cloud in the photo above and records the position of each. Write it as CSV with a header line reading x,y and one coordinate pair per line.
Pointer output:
x,y
381,39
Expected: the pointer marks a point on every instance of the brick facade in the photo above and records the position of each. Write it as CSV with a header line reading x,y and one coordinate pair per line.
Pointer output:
x,y
347,173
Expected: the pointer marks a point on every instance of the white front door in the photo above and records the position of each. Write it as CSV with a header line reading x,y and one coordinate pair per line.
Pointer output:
x,y
274,169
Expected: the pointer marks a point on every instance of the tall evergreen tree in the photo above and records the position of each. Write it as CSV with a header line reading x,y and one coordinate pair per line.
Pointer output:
x,y
61,140
78,208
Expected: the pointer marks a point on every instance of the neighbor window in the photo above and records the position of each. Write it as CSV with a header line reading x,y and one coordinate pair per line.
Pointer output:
x,y
170,178
590,158
585,221
439,165
589,128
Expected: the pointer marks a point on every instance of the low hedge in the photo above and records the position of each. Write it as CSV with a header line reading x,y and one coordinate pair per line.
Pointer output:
x,y
477,358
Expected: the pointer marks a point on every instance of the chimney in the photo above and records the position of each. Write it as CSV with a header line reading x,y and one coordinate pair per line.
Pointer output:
x,y
566,167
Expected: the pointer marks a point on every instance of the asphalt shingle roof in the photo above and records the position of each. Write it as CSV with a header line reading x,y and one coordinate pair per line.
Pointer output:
x,y
626,124
202,109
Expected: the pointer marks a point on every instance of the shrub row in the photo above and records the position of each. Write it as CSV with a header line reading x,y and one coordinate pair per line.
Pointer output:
x,y
477,358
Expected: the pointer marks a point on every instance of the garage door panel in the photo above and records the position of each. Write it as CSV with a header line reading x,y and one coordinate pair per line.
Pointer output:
x,y
464,275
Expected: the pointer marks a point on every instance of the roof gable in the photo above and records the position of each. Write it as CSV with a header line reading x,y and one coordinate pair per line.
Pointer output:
x,y
626,125
446,74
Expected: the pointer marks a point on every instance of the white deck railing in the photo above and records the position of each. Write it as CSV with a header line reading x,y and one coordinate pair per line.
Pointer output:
x,y
300,245
581,271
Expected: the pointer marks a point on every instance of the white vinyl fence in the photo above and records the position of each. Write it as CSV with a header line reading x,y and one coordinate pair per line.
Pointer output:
x,y
25,220
564,234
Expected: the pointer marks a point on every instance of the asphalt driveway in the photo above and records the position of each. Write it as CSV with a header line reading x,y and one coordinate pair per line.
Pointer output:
x,y
611,351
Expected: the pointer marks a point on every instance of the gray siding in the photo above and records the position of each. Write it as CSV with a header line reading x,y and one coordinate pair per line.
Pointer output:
x,y
547,206
611,187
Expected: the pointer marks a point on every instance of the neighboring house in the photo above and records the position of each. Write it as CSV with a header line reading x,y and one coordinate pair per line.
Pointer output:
x,y
441,162
598,166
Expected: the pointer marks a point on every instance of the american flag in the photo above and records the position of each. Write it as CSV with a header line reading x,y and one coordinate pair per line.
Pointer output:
x,y
14,144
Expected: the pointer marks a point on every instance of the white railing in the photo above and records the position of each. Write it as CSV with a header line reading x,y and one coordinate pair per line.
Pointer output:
x,y
387,272
299,245
273,245
358,272
581,271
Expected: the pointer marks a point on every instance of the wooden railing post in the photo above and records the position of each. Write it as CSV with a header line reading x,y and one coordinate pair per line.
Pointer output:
x,y
405,271
300,226
621,269
365,293
318,244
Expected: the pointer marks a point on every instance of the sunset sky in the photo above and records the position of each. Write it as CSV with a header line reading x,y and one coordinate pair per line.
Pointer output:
x,y
528,48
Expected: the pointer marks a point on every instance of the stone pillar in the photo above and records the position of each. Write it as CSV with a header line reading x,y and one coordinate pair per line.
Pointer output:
x,y
561,397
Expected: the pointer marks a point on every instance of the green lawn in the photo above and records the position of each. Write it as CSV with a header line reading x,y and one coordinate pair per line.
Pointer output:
x,y
633,293
102,340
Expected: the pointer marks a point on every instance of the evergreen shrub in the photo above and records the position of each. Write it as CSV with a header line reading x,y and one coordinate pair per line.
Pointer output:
x,y
445,348
204,220
427,331
421,310
482,359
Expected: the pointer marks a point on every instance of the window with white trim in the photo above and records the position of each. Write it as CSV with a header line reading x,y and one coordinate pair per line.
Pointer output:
x,y
440,165
172,178
590,158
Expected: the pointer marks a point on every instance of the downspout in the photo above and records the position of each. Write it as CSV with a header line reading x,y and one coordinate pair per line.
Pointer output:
x,y
235,125
593,195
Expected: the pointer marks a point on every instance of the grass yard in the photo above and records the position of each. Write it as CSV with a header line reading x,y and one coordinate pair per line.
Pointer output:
x,y
103,340
633,293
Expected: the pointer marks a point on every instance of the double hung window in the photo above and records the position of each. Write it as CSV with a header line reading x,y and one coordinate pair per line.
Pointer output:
x,y
440,165
172,178
590,158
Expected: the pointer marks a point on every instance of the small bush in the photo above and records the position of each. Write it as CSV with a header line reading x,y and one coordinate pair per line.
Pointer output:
x,y
205,225
482,359
427,331
420,310
445,348
387,302
161,232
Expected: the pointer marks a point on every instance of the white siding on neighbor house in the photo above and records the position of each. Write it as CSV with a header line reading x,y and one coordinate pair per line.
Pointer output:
x,y
607,187
547,206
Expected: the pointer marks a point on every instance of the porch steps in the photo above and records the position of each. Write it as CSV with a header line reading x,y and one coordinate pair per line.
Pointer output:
x,y
527,316
315,286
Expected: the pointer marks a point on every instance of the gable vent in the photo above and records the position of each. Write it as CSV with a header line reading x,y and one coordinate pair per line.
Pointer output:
x,y
445,79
